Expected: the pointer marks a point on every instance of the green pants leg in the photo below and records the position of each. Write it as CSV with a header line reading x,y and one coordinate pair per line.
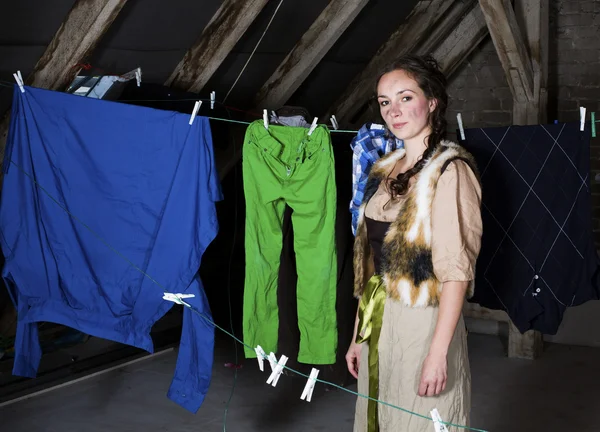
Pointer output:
x,y
284,165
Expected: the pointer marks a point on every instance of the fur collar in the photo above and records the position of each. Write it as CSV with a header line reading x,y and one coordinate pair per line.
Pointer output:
x,y
406,254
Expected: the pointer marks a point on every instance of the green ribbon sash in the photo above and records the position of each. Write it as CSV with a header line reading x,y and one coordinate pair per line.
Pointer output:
x,y
370,318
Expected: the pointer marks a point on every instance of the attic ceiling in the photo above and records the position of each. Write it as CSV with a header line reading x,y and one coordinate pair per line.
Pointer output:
x,y
156,34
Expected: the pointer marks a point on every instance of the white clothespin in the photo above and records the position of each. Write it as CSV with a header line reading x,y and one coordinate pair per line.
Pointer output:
x,y
177,298
213,96
310,385
334,122
260,356
313,126
437,421
138,76
274,377
19,80
582,118
195,112
265,119
272,361
460,126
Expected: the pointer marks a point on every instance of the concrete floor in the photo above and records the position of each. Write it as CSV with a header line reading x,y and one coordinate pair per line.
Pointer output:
x,y
555,393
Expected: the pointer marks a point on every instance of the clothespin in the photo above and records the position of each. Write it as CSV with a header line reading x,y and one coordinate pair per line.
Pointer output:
x,y
260,356
177,298
313,126
460,126
274,377
582,118
272,361
310,385
195,112
213,96
19,80
334,122
437,421
265,119
593,124
138,76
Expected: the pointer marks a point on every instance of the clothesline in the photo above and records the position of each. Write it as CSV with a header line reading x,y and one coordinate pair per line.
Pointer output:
x,y
209,321
9,84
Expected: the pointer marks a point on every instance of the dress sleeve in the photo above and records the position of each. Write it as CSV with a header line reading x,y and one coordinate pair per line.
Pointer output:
x,y
456,224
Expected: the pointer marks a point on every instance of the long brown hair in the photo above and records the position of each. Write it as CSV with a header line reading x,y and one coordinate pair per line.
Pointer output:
x,y
426,71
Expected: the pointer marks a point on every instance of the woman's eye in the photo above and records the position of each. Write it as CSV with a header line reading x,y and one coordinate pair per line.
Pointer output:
x,y
384,103
406,98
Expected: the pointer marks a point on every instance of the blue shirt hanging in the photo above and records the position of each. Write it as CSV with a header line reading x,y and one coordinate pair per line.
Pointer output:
x,y
96,194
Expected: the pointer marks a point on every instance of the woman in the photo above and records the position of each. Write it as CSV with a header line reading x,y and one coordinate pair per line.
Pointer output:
x,y
417,241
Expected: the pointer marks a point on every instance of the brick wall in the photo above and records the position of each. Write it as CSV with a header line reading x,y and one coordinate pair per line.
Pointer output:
x,y
481,94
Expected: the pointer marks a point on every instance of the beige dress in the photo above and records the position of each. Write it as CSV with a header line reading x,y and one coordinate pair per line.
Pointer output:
x,y
407,332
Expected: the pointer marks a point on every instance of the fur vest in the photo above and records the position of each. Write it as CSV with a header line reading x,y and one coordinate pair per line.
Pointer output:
x,y
407,265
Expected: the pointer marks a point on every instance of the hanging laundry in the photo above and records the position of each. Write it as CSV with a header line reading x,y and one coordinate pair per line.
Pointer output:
x,y
284,165
370,143
538,255
101,203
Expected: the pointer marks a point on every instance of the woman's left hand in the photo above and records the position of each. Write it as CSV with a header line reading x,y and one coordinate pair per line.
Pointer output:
x,y
433,375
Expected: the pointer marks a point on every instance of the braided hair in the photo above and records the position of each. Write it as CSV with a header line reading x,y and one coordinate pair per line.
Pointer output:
x,y
426,71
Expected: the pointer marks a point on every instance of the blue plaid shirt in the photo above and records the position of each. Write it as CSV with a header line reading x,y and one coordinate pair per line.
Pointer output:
x,y
368,146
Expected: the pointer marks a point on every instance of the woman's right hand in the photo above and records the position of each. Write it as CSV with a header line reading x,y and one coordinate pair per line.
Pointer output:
x,y
353,358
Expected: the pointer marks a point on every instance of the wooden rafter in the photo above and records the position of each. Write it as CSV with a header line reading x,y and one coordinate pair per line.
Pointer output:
x,y
532,16
308,52
456,46
217,40
76,38
422,23
523,52
510,46
459,44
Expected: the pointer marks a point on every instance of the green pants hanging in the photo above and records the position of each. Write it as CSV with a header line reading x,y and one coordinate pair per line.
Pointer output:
x,y
284,165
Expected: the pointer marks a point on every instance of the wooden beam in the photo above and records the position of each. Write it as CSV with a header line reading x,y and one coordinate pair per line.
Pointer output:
x,y
76,38
510,46
447,24
412,34
533,18
461,42
528,345
474,310
217,40
520,36
455,47
308,52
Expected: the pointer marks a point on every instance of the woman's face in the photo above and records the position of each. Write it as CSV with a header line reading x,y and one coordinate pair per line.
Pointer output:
x,y
403,105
